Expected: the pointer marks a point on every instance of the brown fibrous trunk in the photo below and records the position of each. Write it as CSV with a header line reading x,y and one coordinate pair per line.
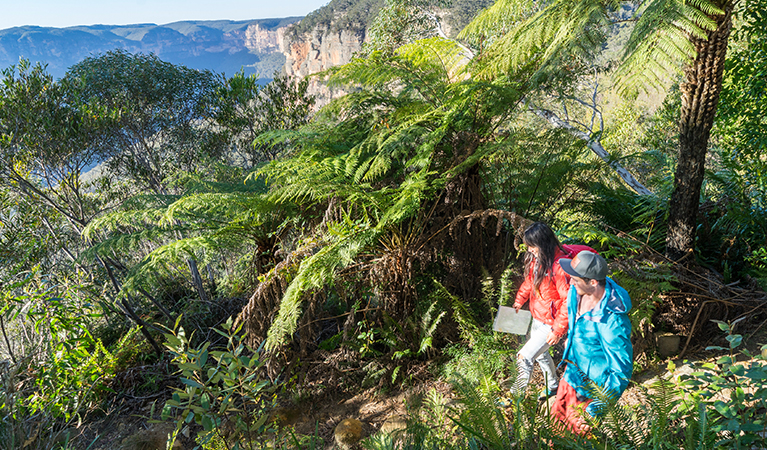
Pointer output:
x,y
700,95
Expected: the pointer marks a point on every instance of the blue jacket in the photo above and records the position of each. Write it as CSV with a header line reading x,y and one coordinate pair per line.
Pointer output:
x,y
599,344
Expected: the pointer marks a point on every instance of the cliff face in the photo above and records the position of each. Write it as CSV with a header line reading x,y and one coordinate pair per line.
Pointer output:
x,y
320,50
258,39
328,36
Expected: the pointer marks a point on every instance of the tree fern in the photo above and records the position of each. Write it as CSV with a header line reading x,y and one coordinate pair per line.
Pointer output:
x,y
521,34
162,233
314,273
410,125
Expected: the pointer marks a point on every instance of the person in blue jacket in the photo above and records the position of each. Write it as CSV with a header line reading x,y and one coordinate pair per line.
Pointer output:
x,y
598,346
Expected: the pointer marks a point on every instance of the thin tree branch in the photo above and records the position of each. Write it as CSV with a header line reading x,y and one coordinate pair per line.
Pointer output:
x,y
595,146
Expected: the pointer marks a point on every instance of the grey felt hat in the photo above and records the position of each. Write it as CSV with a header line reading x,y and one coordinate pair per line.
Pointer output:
x,y
590,265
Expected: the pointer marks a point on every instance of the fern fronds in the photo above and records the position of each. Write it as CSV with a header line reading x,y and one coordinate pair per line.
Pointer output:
x,y
316,272
479,418
461,313
444,56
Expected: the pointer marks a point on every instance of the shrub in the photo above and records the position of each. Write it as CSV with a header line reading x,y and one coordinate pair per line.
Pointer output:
x,y
222,391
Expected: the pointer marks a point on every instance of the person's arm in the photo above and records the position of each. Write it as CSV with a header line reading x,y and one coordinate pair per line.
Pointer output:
x,y
616,343
523,294
559,304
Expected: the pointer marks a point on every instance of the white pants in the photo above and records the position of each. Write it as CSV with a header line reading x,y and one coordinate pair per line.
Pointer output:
x,y
536,349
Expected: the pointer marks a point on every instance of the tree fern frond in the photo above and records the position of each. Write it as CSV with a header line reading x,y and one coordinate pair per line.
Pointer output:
x,y
498,19
660,40
559,31
446,56
124,243
408,199
118,221
218,207
655,56
273,138
381,164
707,7
314,273
171,254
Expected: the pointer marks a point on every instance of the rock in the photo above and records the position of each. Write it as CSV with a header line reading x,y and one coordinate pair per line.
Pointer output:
x,y
348,433
155,438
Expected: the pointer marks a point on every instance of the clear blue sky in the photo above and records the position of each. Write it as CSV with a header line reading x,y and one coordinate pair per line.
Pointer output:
x,y
66,13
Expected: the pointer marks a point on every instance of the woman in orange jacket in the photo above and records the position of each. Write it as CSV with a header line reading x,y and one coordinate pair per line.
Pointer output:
x,y
545,288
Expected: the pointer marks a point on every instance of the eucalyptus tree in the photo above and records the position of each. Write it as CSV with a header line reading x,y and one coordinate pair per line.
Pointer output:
x,y
162,124
24,240
48,138
161,112
245,110
212,216
556,36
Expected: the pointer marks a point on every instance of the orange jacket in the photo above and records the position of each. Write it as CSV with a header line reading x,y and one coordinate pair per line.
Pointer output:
x,y
547,304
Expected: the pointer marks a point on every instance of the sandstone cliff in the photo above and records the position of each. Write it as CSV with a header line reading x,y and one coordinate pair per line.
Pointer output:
x,y
332,35
320,50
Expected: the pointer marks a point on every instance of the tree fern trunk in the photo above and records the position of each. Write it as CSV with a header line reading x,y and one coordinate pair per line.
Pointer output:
x,y
700,95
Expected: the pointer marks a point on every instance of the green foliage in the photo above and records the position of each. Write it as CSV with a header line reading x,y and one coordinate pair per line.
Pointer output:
x,y
541,175
491,353
552,42
740,123
662,38
735,214
733,393
48,137
23,242
71,366
735,190
720,406
462,12
380,153
222,390
57,373
314,273
159,108
559,39
337,15
245,110
402,22
210,219
758,262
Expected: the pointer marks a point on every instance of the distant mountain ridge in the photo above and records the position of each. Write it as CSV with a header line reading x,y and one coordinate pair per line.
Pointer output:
x,y
220,45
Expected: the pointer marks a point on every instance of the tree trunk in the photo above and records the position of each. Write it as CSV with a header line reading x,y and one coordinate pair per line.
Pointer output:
x,y
197,280
700,95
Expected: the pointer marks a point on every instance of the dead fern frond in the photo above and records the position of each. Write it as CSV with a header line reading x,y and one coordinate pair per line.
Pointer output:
x,y
515,221
262,307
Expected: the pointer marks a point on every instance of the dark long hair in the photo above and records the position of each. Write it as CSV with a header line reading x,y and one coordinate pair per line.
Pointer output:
x,y
540,235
